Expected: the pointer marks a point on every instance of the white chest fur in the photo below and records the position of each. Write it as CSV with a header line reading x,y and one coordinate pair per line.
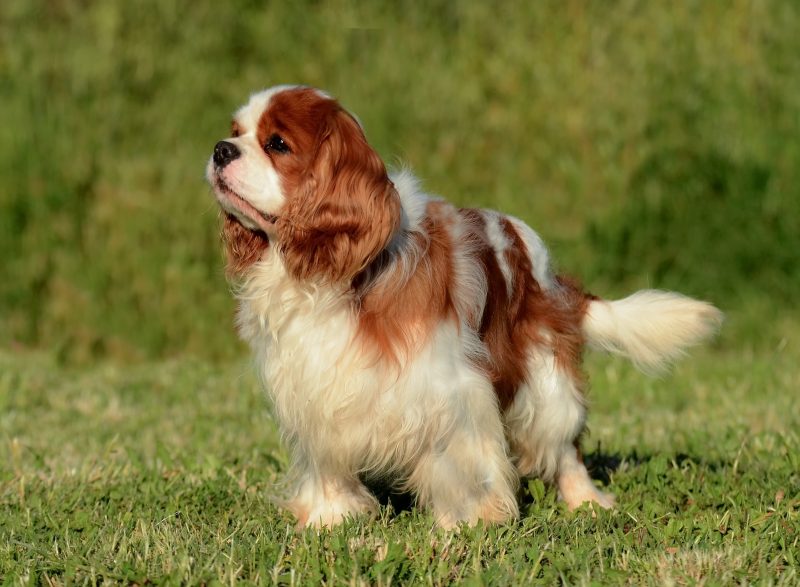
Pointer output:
x,y
338,403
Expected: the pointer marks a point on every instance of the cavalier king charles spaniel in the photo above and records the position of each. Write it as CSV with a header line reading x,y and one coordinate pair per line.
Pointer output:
x,y
401,337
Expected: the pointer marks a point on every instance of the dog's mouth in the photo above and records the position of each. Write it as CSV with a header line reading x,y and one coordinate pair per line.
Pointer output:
x,y
236,206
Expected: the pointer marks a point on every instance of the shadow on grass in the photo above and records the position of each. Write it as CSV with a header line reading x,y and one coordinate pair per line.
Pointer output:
x,y
601,465
387,495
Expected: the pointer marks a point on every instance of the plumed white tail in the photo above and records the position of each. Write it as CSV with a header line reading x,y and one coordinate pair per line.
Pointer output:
x,y
652,328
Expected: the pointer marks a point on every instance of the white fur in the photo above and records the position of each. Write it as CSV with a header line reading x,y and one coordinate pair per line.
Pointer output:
x,y
537,252
249,114
436,425
575,486
471,286
652,328
251,175
412,198
500,243
253,178
545,417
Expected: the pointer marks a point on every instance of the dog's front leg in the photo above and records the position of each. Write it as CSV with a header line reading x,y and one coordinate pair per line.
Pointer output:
x,y
327,498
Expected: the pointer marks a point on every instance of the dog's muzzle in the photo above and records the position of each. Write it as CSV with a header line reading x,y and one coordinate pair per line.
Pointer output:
x,y
224,153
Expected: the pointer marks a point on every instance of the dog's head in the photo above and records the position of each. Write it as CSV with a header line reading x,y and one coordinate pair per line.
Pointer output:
x,y
298,172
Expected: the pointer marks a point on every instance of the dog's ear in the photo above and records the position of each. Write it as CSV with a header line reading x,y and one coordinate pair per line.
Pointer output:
x,y
346,209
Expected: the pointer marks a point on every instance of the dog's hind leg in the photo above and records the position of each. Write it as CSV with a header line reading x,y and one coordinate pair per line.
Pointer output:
x,y
575,486
543,423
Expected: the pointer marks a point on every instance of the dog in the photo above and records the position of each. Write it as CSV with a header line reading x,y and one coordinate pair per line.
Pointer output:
x,y
401,337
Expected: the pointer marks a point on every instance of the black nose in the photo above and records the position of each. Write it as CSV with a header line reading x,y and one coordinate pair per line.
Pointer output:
x,y
224,153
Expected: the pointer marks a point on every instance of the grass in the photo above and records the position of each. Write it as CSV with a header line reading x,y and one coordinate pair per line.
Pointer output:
x,y
163,472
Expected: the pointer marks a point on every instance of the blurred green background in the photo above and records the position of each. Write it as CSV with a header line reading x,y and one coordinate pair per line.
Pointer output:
x,y
650,143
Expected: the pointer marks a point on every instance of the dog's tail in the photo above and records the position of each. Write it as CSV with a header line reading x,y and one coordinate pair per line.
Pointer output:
x,y
652,328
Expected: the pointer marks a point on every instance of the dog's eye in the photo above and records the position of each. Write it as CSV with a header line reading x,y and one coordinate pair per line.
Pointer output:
x,y
277,144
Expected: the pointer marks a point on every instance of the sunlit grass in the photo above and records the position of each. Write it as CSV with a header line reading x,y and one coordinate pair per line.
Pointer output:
x,y
165,472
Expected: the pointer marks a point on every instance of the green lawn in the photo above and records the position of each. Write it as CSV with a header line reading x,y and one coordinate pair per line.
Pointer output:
x,y
163,472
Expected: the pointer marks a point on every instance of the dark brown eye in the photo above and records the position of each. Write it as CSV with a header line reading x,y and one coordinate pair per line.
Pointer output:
x,y
277,144
235,131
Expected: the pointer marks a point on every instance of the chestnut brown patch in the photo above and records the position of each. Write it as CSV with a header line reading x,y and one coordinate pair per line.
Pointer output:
x,y
502,326
548,318
397,316
243,247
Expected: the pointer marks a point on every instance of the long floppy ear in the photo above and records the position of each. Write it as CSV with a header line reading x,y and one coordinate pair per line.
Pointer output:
x,y
345,211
